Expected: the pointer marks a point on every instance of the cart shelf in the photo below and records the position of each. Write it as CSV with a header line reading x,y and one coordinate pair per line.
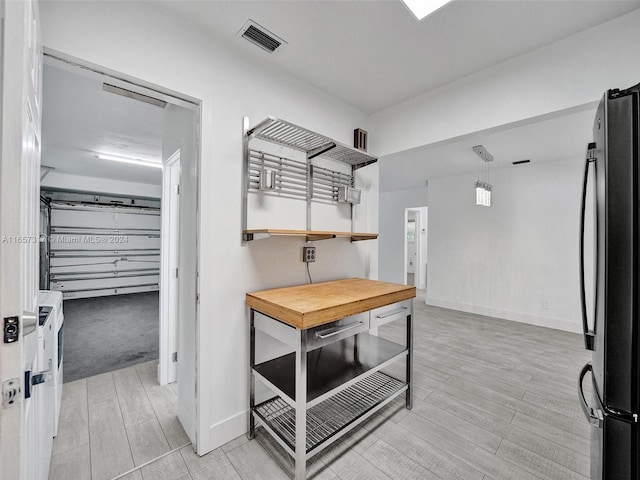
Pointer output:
x,y
332,417
331,368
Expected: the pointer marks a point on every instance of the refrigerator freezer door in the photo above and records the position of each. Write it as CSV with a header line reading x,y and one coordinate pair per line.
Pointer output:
x,y
614,440
618,440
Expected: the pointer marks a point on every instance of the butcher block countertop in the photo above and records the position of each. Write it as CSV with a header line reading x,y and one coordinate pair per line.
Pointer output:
x,y
306,306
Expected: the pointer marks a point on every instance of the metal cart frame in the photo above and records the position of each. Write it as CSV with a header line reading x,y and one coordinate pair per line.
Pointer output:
x,y
319,402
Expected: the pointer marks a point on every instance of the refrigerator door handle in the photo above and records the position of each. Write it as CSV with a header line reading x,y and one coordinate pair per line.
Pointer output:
x,y
589,335
595,417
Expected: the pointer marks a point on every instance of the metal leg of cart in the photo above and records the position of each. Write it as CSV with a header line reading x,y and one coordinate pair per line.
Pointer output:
x,y
252,381
409,393
301,405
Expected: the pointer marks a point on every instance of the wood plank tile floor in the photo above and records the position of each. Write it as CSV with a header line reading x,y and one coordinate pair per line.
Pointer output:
x,y
113,422
494,400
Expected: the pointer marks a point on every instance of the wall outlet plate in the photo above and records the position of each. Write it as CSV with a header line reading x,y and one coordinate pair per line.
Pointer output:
x,y
308,254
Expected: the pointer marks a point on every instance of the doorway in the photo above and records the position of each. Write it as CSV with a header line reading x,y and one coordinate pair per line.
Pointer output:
x,y
118,148
415,247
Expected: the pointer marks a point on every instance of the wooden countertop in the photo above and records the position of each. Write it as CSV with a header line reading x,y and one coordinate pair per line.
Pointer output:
x,y
306,306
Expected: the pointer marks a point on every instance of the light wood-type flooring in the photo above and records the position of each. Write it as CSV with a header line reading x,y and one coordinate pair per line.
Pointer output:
x,y
494,400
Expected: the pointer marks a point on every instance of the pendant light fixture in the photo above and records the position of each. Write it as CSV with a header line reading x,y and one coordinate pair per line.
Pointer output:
x,y
482,186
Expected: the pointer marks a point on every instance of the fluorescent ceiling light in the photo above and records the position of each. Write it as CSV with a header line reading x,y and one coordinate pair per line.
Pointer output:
x,y
423,8
133,161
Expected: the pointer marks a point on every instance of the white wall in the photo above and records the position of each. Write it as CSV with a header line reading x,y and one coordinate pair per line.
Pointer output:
x,y
571,72
392,239
100,185
145,43
517,259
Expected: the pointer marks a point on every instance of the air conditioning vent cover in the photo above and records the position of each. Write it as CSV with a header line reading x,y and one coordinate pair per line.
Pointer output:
x,y
261,37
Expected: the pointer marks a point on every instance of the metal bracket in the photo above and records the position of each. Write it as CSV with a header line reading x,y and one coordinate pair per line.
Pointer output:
x,y
320,150
591,153
11,329
589,340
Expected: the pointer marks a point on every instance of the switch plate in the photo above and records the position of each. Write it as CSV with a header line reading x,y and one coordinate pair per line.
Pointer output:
x,y
308,254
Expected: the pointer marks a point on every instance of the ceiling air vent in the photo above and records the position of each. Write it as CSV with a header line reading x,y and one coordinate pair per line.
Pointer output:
x,y
260,36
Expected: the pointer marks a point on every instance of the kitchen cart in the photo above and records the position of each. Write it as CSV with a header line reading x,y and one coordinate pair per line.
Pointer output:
x,y
333,379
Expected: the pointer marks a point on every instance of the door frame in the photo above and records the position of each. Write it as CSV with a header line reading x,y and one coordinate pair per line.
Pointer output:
x,y
169,269
419,275
119,79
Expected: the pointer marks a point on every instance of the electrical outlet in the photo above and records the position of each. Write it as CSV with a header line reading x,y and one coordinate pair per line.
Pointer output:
x,y
308,254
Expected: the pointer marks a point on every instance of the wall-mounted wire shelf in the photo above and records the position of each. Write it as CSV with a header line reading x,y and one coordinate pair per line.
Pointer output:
x,y
295,178
313,144
333,415
310,177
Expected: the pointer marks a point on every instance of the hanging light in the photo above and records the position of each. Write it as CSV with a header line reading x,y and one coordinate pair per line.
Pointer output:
x,y
482,186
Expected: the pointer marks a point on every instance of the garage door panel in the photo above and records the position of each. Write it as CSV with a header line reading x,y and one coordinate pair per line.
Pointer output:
x,y
59,265
97,250
112,243
141,221
151,280
82,218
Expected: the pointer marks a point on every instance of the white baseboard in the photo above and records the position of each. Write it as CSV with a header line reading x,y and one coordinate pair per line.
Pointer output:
x,y
540,321
223,432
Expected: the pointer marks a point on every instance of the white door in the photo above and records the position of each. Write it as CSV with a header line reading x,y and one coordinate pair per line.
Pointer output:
x,y
169,272
20,114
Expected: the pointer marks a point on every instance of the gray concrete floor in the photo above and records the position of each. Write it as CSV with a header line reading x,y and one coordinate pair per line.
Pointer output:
x,y
104,334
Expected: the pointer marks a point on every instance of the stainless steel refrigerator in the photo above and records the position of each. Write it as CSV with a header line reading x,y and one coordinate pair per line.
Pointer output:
x,y
611,322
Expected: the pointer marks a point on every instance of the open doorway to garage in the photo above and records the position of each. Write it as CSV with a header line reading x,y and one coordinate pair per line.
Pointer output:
x,y
112,155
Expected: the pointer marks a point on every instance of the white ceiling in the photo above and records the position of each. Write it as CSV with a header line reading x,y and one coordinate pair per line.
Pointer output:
x,y
545,140
374,54
79,119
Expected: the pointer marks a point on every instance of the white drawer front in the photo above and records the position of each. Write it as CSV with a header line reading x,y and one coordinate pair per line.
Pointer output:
x,y
390,313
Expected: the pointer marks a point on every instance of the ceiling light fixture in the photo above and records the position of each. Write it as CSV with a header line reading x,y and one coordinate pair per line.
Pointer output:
x,y
482,186
424,8
133,161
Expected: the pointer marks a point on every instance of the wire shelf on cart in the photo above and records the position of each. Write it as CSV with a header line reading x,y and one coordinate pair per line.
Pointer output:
x,y
333,415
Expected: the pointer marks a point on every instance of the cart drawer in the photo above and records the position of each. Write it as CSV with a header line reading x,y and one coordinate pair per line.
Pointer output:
x,y
390,313
334,331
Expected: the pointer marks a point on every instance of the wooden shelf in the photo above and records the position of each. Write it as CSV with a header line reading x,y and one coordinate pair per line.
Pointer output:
x,y
311,235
